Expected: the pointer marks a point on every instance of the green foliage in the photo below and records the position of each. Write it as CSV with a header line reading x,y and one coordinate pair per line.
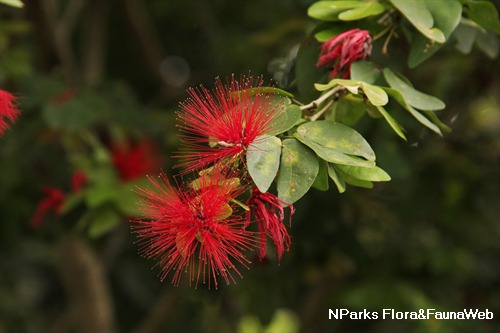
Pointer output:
x,y
299,167
263,159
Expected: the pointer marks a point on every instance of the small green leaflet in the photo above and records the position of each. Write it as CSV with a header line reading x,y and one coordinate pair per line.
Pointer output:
x,y
392,122
330,10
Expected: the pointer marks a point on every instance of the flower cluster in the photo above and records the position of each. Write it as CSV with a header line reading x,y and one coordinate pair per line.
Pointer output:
x,y
8,110
342,50
203,228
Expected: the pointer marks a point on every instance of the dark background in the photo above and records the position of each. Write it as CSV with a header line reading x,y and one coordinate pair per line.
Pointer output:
x,y
430,238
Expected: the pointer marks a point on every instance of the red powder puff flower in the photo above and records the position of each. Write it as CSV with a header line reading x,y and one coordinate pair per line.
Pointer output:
x,y
53,200
221,124
268,212
344,49
135,160
8,109
193,230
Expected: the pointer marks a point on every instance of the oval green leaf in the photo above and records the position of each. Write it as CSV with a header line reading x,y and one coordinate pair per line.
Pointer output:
x,y
330,10
392,122
353,181
419,15
374,174
335,137
263,158
483,13
412,96
365,71
286,120
376,95
298,169
417,115
366,10
447,15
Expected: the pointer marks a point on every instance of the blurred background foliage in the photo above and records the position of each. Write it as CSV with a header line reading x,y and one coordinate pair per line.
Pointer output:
x,y
97,80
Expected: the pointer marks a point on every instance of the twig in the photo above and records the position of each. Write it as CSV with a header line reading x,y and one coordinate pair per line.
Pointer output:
x,y
60,39
320,112
95,41
314,104
86,287
146,35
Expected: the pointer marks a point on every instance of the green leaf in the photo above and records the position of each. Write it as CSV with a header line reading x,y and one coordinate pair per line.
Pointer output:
x,y
483,13
100,194
412,96
330,10
336,137
267,90
104,220
392,122
339,182
13,3
327,34
286,120
365,71
374,174
432,116
419,15
321,181
127,199
488,43
417,115
352,180
465,36
263,158
447,15
347,110
376,95
298,169
350,85
306,71
366,10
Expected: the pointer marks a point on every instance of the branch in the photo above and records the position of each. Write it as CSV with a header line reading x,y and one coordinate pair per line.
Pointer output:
x,y
94,41
314,104
146,34
59,35
86,287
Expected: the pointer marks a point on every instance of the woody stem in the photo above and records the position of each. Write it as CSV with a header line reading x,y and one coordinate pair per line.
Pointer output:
x,y
314,104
